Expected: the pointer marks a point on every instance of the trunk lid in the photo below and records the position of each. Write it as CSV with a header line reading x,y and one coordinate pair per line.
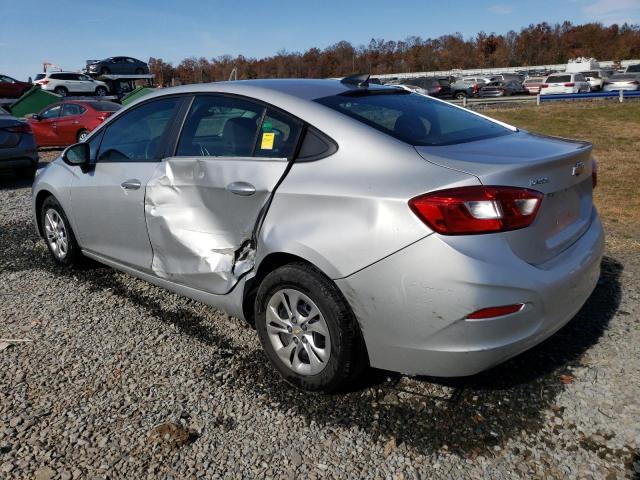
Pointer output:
x,y
559,168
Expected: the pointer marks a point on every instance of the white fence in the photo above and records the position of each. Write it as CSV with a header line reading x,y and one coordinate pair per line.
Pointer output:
x,y
561,67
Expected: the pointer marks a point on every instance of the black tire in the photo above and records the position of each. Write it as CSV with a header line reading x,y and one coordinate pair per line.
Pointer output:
x,y
460,95
73,257
105,71
82,133
348,356
139,71
101,91
62,91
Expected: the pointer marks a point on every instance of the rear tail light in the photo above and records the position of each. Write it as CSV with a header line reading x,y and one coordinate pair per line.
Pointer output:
x,y
492,312
594,172
634,82
22,128
570,84
544,85
42,82
474,210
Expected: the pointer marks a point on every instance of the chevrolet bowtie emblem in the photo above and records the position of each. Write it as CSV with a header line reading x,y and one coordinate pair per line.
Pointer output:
x,y
577,169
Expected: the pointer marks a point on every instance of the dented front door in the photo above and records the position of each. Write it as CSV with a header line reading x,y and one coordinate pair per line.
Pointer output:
x,y
201,213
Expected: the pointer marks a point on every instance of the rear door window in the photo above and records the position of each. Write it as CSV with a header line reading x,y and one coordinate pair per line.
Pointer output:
x,y
415,119
279,135
220,126
69,109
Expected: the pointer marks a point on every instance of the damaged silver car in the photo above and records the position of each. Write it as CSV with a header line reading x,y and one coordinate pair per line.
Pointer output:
x,y
352,224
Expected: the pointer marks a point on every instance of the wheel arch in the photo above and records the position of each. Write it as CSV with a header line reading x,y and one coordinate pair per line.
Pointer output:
x,y
268,264
41,196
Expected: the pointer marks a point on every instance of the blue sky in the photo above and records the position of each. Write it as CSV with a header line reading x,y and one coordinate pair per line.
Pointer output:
x,y
69,32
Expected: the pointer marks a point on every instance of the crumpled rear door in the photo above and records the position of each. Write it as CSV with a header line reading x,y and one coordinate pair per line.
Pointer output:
x,y
201,214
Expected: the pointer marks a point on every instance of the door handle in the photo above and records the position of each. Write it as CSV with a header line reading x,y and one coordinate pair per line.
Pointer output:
x,y
132,184
241,188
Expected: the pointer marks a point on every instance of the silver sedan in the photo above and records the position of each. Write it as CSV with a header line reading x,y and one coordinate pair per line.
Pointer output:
x,y
351,224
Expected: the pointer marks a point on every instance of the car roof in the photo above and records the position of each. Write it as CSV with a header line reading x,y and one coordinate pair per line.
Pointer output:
x,y
304,89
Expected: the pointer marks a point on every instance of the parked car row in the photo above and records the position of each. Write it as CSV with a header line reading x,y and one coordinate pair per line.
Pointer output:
x,y
508,84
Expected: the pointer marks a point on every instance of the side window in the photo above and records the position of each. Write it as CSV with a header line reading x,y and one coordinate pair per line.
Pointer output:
x,y
69,109
137,135
219,126
52,112
278,136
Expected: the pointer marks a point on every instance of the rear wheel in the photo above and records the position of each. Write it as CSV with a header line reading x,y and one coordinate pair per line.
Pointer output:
x,y
101,91
83,134
58,234
105,71
62,91
139,71
308,330
460,95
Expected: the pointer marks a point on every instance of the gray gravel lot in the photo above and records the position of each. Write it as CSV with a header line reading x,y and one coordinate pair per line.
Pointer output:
x,y
120,379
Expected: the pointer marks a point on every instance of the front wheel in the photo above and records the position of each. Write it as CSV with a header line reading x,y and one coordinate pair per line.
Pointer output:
x,y
308,330
58,235
101,91
460,95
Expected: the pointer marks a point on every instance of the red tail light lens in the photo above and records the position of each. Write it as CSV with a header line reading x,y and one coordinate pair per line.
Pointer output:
x,y
492,312
23,128
570,84
544,85
474,210
594,172
42,82
634,82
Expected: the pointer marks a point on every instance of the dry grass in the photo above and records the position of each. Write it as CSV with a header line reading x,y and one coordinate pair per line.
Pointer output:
x,y
614,130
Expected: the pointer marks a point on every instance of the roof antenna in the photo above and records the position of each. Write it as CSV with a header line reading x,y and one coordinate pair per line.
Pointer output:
x,y
359,80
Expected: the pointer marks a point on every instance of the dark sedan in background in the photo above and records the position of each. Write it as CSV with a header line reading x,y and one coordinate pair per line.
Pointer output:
x,y
502,89
18,151
117,66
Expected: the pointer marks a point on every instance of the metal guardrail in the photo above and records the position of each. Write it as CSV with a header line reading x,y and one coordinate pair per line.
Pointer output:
x,y
538,99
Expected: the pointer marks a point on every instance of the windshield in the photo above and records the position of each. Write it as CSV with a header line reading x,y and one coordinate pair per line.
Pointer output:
x,y
415,119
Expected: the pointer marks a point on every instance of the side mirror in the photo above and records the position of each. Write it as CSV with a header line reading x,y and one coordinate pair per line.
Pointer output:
x,y
78,155
36,117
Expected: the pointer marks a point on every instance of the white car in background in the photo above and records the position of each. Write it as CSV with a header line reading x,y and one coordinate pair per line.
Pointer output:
x,y
64,83
564,83
595,79
622,81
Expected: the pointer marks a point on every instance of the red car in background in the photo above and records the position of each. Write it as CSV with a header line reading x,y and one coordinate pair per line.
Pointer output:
x,y
65,123
12,88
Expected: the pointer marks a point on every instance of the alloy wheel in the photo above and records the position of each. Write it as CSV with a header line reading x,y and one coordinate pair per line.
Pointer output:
x,y
56,233
298,332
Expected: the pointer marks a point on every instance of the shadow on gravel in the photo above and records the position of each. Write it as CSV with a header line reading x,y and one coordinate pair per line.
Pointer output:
x,y
468,415
9,181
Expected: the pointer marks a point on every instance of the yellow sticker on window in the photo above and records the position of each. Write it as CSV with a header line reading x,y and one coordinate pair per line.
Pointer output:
x,y
267,141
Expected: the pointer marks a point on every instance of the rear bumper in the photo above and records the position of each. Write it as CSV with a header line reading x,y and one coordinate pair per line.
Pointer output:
x,y
610,88
412,305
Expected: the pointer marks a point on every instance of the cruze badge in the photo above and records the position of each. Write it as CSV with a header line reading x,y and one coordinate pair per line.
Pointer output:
x,y
538,181
577,169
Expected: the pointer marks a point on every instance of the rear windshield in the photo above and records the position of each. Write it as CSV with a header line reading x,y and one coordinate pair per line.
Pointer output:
x,y
559,78
633,68
105,106
415,119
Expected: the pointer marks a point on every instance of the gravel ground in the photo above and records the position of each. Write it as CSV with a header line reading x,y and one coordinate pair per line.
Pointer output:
x,y
120,379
